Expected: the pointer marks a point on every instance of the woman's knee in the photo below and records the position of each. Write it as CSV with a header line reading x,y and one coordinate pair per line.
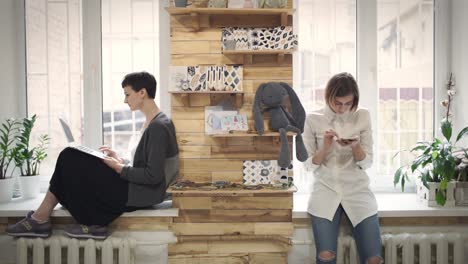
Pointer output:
x,y
374,260
327,255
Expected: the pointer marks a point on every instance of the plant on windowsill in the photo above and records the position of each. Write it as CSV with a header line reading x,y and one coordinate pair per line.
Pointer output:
x,y
435,163
461,172
28,159
8,130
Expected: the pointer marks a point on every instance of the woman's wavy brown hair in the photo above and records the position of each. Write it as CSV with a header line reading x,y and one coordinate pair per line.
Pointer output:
x,y
342,84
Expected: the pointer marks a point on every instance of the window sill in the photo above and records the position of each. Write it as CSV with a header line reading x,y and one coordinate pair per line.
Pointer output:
x,y
20,207
392,205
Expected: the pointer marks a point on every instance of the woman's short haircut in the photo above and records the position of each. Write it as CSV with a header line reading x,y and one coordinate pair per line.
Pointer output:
x,y
140,80
342,84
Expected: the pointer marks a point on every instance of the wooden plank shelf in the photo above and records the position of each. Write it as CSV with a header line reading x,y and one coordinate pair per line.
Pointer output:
x,y
238,100
251,134
196,12
229,11
231,192
248,54
275,137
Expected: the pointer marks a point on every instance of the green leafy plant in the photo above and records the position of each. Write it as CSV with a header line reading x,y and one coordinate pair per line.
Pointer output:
x,y
8,130
462,165
28,159
435,160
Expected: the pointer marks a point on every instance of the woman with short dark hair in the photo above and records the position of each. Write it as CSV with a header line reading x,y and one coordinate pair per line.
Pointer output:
x,y
96,191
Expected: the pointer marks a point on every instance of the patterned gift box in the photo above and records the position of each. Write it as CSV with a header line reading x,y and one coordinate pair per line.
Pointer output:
x,y
265,172
284,38
178,80
258,171
197,78
235,3
262,38
215,78
227,38
233,76
241,37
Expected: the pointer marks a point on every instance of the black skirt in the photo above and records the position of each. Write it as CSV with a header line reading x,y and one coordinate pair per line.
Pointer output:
x,y
91,191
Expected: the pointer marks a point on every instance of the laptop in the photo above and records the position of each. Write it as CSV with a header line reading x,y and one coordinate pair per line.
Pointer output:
x,y
72,144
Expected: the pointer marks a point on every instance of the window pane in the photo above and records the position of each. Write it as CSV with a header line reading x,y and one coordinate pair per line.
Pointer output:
x,y
53,59
327,45
405,82
129,43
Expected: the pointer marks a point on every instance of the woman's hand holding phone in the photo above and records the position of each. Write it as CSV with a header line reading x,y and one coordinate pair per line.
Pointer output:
x,y
352,141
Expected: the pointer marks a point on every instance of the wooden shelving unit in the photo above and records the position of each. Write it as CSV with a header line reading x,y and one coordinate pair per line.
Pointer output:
x,y
196,12
245,226
239,96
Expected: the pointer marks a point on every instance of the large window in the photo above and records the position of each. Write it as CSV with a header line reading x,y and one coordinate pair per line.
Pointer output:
x,y
129,43
402,108
53,61
405,82
55,76
327,45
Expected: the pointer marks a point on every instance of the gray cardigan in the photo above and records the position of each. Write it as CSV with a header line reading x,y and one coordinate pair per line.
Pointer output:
x,y
155,164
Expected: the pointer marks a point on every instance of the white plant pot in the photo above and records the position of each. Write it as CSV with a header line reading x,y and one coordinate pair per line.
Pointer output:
x,y
428,196
6,190
30,186
461,194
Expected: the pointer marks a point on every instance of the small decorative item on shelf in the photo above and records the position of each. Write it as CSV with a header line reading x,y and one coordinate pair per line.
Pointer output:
x,y
178,78
227,39
180,3
220,121
241,36
206,78
262,38
248,4
275,3
215,78
259,3
284,38
277,38
217,3
256,172
236,3
197,78
233,76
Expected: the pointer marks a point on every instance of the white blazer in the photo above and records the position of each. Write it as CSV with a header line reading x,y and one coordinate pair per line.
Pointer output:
x,y
340,179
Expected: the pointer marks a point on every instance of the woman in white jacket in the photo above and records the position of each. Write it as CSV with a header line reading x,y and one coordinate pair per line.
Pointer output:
x,y
338,139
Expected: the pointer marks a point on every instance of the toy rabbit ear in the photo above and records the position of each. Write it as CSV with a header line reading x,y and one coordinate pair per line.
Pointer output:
x,y
298,111
257,109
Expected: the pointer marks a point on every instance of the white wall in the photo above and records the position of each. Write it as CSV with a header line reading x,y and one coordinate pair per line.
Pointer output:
x,y
12,62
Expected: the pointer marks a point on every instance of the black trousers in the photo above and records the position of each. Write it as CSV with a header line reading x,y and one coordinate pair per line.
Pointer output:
x,y
91,191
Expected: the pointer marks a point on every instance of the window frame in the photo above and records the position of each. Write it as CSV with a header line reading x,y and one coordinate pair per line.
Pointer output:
x,y
92,69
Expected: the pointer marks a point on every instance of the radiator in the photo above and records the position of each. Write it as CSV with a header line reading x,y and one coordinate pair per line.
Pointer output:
x,y
405,248
60,249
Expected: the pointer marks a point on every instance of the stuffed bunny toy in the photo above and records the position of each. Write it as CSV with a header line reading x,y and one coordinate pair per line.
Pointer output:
x,y
274,97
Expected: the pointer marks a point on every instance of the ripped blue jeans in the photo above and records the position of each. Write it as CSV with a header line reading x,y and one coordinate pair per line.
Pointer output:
x,y
366,234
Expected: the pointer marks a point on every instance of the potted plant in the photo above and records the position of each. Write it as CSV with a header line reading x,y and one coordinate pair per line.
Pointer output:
x,y
435,163
461,172
8,131
28,159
